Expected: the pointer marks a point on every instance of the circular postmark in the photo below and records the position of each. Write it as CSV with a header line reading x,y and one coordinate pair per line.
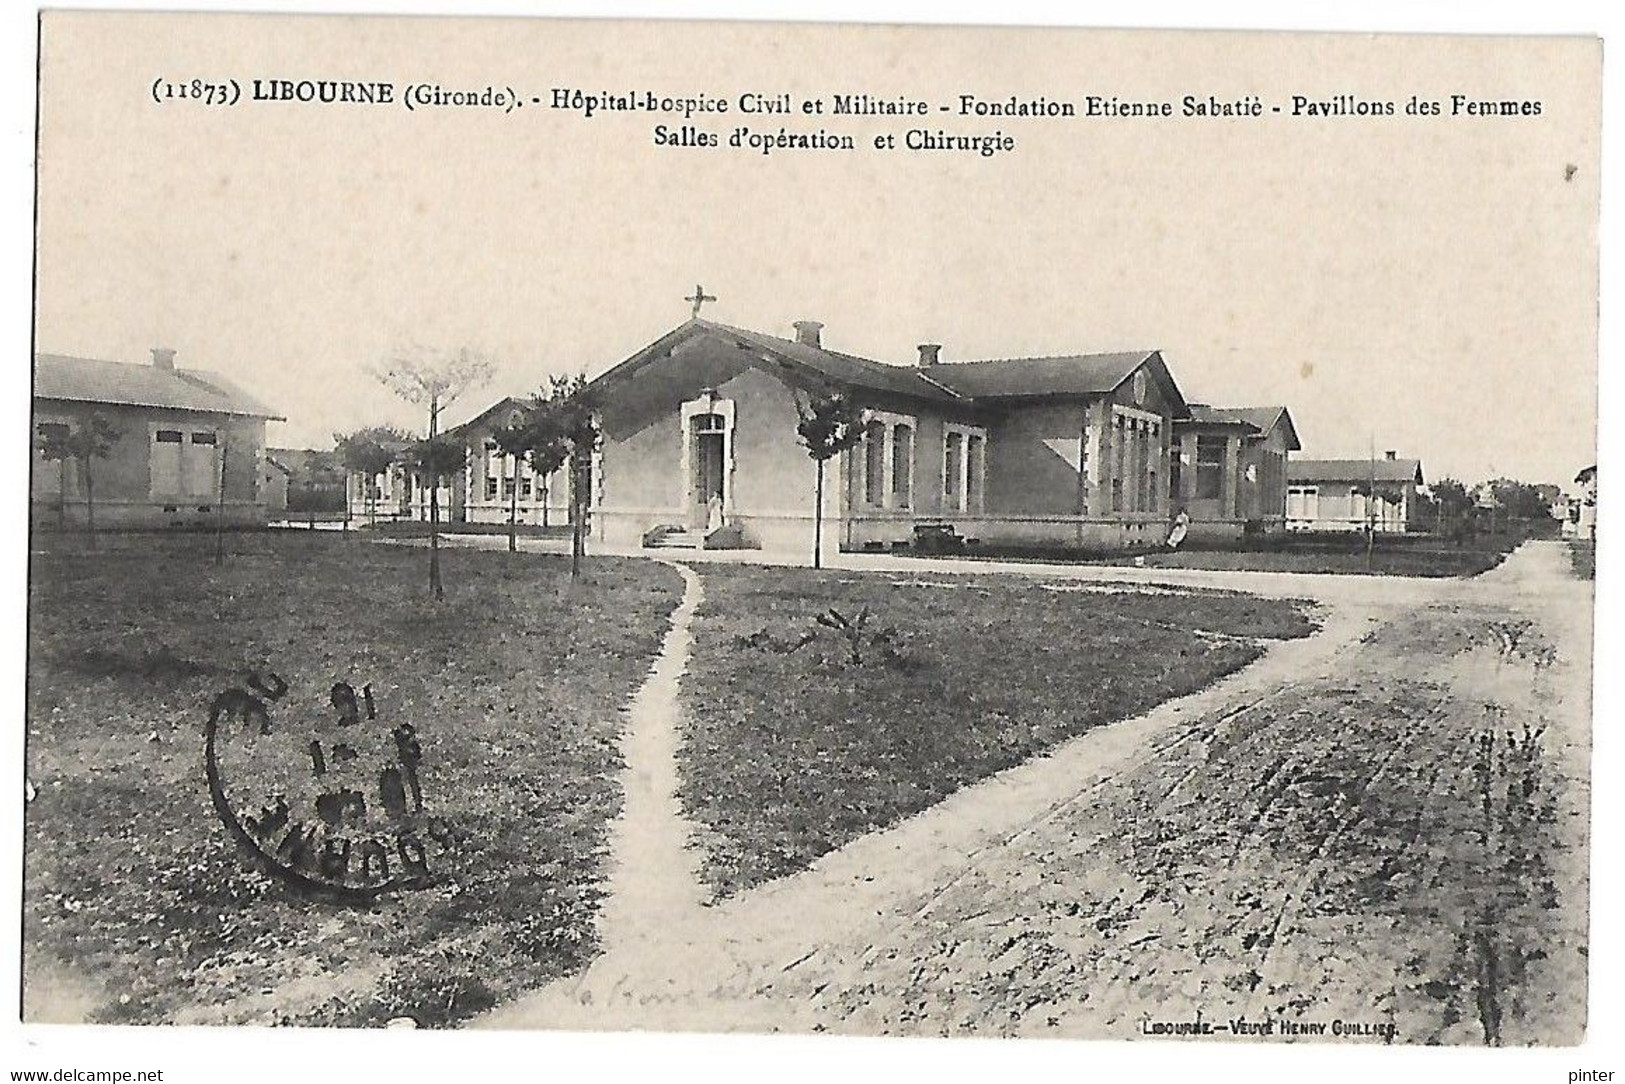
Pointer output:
x,y
321,790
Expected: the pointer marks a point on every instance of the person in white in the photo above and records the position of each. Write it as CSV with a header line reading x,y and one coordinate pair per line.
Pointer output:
x,y
1178,528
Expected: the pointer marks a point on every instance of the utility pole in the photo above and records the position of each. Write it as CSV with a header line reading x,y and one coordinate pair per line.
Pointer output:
x,y
220,508
1370,498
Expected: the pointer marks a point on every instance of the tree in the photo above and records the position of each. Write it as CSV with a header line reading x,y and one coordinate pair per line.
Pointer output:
x,y
433,460
1451,497
515,440
830,424
434,379
567,418
370,452
556,427
1520,500
86,441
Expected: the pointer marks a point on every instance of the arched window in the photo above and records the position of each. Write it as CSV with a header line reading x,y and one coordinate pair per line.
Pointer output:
x,y
902,466
874,463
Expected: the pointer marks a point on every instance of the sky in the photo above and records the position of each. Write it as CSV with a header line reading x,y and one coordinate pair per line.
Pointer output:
x,y
1425,285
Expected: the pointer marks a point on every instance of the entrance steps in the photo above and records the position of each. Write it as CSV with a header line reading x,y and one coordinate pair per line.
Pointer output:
x,y
677,537
676,540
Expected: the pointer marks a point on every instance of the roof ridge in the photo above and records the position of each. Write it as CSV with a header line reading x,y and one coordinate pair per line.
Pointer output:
x,y
1141,354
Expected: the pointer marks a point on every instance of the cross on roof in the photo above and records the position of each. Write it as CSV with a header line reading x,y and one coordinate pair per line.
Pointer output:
x,y
699,298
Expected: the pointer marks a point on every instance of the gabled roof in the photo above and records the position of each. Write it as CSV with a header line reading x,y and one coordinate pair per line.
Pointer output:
x,y
90,380
839,368
964,382
489,418
1354,470
1261,419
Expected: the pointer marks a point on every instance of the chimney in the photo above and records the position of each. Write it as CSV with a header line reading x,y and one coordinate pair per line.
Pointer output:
x,y
1389,454
807,332
163,357
930,354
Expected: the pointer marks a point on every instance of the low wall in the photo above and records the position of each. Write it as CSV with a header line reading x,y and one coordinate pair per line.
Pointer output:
x,y
46,515
1071,531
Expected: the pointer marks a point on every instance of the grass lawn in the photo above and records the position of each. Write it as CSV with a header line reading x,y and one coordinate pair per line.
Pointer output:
x,y
134,895
1584,556
411,528
1405,555
791,753
1430,560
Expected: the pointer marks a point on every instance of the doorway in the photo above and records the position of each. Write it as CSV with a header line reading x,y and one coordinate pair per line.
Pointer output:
x,y
708,471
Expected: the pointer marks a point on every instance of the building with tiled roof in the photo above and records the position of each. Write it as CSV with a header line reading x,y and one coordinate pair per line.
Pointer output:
x,y
1377,492
1230,469
186,447
700,447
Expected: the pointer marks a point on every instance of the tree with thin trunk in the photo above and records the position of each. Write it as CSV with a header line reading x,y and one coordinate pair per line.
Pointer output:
x,y
434,379
514,442
541,437
91,438
369,453
567,421
830,424
220,507
433,460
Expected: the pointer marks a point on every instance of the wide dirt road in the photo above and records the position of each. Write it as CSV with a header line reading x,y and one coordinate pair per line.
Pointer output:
x,y
1379,832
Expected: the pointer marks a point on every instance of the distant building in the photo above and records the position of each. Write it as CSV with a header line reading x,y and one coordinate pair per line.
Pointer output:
x,y
176,429
1229,469
315,479
489,486
274,477
1337,494
494,484
1585,516
700,448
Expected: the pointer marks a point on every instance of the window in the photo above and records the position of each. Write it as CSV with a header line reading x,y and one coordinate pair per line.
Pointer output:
x,y
1209,468
166,461
524,487
493,471
1174,456
1153,453
54,477
902,466
202,466
975,463
1146,460
963,468
1119,459
1303,502
874,463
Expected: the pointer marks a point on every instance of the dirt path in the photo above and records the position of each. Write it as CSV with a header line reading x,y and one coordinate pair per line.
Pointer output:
x,y
655,895
719,968
1272,846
